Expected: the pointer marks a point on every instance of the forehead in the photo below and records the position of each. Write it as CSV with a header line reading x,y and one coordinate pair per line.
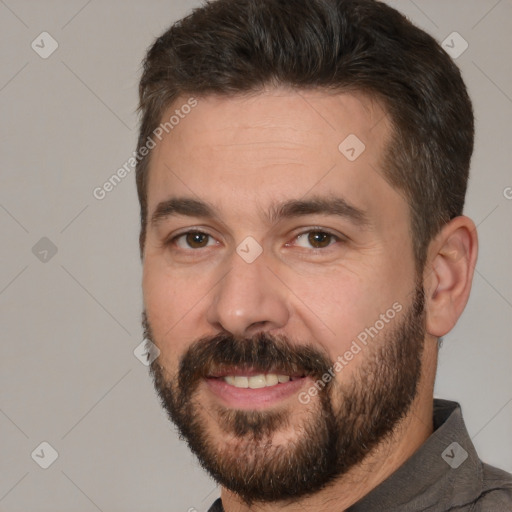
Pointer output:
x,y
311,118
275,144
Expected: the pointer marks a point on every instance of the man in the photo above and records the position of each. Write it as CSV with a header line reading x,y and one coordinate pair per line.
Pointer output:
x,y
302,179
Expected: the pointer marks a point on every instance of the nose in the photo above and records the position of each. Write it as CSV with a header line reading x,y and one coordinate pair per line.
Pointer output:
x,y
249,299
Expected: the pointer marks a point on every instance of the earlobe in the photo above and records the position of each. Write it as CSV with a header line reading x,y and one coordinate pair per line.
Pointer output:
x,y
449,274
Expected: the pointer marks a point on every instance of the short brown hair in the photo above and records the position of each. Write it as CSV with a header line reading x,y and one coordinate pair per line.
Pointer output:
x,y
230,47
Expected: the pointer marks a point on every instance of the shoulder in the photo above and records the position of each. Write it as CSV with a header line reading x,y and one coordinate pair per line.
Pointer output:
x,y
217,506
496,495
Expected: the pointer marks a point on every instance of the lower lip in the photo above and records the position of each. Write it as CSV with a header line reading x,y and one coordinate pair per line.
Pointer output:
x,y
247,398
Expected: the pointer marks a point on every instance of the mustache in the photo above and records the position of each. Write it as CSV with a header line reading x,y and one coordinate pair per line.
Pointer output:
x,y
212,355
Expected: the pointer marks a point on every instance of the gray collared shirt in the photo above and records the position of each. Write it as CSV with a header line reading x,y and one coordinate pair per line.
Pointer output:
x,y
444,475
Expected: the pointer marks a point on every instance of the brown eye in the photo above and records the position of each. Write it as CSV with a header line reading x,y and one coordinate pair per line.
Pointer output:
x,y
319,239
193,240
196,240
316,239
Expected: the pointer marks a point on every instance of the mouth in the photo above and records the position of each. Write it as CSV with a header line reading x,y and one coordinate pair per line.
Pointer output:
x,y
258,381
252,388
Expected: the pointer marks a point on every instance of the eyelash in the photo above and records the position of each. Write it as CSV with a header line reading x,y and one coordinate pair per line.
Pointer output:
x,y
334,238
173,240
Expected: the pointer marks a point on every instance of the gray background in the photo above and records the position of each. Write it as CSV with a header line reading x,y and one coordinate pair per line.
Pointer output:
x,y
70,321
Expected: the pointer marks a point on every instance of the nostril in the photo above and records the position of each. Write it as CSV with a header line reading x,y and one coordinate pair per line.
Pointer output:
x,y
255,326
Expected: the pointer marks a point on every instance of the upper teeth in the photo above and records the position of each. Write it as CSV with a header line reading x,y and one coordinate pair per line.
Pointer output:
x,y
256,381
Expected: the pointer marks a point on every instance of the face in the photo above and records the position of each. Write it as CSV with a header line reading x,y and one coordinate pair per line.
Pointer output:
x,y
280,287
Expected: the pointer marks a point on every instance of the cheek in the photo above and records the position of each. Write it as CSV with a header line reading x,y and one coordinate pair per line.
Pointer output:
x,y
337,307
329,308
172,303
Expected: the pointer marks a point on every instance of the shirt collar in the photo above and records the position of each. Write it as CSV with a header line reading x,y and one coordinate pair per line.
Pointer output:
x,y
435,478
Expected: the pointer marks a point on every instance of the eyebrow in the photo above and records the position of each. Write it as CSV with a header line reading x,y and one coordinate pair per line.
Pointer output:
x,y
333,205
181,206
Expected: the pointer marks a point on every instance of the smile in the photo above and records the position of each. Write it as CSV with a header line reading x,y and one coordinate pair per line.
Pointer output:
x,y
257,381
246,389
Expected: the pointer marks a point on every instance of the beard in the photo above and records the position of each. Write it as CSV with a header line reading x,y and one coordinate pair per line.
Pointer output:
x,y
332,434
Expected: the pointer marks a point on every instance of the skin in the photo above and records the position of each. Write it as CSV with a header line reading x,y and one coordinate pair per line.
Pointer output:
x,y
243,155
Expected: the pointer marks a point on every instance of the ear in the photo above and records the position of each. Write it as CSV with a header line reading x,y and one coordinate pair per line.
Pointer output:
x,y
449,273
